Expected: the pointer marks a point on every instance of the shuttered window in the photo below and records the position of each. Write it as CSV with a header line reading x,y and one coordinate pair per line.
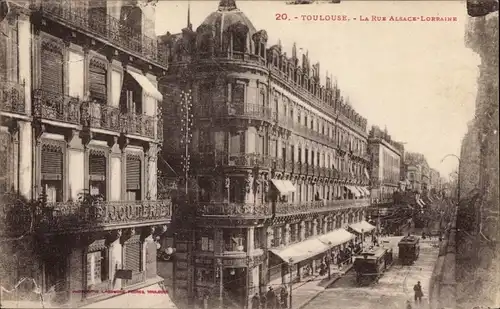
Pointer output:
x,y
52,69
97,167
52,163
5,162
98,81
133,254
133,173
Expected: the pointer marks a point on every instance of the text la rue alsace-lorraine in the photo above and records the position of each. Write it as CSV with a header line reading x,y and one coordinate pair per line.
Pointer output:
x,y
407,18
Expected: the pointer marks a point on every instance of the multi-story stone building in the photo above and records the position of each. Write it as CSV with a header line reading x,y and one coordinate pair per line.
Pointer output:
x,y
417,170
385,166
79,141
277,161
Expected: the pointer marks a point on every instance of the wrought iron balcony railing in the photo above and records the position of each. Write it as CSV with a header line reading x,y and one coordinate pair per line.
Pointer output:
x,y
235,209
12,97
103,26
324,205
140,124
101,116
56,106
248,110
68,216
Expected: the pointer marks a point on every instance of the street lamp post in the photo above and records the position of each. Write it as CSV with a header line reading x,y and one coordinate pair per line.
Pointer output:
x,y
290,281
186,126
220,271
458,174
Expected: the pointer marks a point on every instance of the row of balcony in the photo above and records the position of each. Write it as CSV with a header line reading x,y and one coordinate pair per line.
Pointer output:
x,y
260,112
103,26
262,210
57,107
251,160
76,216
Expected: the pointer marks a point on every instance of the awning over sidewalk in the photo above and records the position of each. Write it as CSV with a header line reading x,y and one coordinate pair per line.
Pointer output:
x,y
353,190
301,251
362,227
361,192
336,237
419,203
365,190
289,186
283,186
152,298
422,201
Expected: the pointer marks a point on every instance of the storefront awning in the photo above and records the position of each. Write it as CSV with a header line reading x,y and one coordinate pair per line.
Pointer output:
x,y
280,186
353,191
337,237
419,203
301,251
146,85
289,186
361,192
362,227
422,201
365,190
152,298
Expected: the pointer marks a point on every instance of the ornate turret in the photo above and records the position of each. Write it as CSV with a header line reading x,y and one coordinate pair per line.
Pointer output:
x,y
227,5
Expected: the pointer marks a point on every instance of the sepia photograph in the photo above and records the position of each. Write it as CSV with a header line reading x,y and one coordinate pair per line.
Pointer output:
x,y
249,154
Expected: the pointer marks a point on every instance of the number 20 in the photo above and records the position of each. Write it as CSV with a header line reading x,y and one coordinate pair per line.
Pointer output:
x,y
282,16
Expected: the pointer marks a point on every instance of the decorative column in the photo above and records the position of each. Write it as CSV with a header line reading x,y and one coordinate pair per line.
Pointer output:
x,y
269,238
325,225
287,234
315,227
250,240
302,231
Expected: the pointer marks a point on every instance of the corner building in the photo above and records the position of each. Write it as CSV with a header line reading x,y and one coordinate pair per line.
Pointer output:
x,y
79,141
277,162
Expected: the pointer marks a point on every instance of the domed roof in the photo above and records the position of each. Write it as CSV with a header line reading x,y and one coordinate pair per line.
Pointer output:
x,y
227,16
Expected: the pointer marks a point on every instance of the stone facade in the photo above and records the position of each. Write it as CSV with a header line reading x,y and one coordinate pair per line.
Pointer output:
x,y
80,138
276,159
478,254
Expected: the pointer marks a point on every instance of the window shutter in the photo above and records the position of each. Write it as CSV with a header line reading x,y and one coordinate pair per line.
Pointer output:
x,y
133,256
97,167
133,173
52,70
97,80
5,161
52,163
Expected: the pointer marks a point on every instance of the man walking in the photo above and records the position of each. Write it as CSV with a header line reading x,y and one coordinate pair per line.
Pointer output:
x,y
418,293
256,301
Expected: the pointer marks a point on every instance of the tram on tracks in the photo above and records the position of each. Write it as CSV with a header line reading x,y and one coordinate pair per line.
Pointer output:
x,y
409,249
370,265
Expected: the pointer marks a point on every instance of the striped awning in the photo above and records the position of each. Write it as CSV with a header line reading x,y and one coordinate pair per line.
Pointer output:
x,y
353,190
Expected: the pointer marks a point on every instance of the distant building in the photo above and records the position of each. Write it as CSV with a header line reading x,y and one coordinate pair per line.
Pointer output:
x,y
417,170
385,166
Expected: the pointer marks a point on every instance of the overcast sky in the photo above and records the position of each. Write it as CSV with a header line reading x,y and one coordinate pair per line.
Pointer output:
x,y
416,78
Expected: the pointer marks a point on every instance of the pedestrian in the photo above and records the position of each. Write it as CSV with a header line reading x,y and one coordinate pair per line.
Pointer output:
x,y
418,293
271,298
284,297
256,301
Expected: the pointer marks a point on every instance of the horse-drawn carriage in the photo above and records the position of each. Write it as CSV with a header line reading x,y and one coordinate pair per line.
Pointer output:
x,y
370,265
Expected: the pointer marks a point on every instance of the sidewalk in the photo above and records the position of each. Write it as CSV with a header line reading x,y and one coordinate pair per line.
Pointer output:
x,y
304,293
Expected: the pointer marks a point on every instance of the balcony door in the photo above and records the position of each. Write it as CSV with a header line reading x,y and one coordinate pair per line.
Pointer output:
x,y
52,173
52,67
97,174
98,18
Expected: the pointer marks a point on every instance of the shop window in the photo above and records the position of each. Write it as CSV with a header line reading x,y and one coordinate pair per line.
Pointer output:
x,y
97,268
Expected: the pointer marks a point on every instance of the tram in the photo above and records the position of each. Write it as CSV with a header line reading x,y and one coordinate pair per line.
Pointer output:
x,y
409,249
370,265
